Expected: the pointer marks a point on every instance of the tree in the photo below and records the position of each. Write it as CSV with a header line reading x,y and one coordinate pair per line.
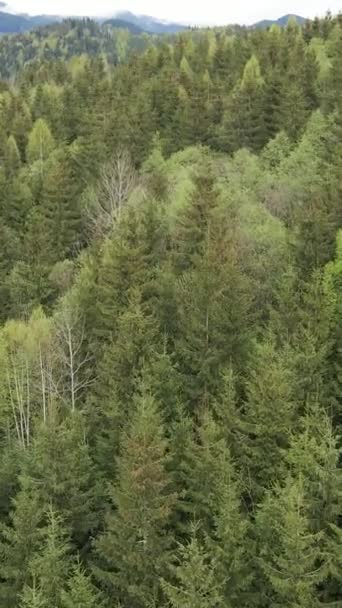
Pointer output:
x,y
19,541
135,548
128,266
270,416
227,532
196,584
49,568
73,359
61,216
119,374
333,281
314,457
40,144
243,125
80,592
12,157
211,293
290,556
60,463
32,598
117,181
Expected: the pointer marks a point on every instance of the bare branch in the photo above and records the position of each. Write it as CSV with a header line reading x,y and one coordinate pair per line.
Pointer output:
x,y
117,182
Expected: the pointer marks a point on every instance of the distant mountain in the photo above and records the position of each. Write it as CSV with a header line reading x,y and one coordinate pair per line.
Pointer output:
x,y
13,23
150,24
282,22
125,25
10,23
137,24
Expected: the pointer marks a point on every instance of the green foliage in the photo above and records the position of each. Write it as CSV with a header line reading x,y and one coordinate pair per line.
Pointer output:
x,y
289,554
18,542
40,143
49,568
196,579
81,593
171,314
134,548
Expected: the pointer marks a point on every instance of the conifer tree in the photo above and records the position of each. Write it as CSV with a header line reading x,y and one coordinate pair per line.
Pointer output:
x,y
32,598
129,262
333,282
80,591
244,125
60,207
290,555
12,158
19,541
61,464
270,416
135,548
40,143
314,456
196,584
50,566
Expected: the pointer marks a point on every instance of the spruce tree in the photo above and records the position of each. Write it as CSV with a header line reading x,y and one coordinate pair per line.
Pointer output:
x,y
270,416
290,556
80,591
61,464
60,207
50,566
196,584
134,549
40,143
244,124
32,598
18,542
12,158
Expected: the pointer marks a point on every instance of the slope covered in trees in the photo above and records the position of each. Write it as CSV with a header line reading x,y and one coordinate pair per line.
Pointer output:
x,y
171,312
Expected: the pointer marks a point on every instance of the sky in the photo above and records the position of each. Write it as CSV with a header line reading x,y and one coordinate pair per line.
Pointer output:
x,y
188,11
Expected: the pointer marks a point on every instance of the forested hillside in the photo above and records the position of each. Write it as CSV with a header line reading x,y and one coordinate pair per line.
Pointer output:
x,y
171,314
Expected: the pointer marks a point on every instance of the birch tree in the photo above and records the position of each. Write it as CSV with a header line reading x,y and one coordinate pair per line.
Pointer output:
x,y
73,373
118,180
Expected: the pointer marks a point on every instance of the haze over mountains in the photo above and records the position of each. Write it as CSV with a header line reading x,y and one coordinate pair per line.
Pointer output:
x,y
11,22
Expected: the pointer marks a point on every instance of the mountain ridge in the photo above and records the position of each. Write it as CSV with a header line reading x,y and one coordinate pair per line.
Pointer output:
x,y
11,23
282,21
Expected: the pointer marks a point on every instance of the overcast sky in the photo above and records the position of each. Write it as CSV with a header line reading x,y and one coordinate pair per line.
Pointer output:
x,y
191,11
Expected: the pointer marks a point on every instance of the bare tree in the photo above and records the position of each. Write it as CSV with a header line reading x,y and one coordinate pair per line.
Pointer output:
x,y
72,357
117,181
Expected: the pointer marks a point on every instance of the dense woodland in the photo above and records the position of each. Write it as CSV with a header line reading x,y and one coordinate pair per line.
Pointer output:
x,y
171,319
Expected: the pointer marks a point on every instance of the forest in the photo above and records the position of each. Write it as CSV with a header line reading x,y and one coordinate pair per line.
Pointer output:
x,y
171,317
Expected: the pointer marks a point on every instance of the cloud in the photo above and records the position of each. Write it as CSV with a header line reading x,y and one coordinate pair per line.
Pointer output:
x,y
215,11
